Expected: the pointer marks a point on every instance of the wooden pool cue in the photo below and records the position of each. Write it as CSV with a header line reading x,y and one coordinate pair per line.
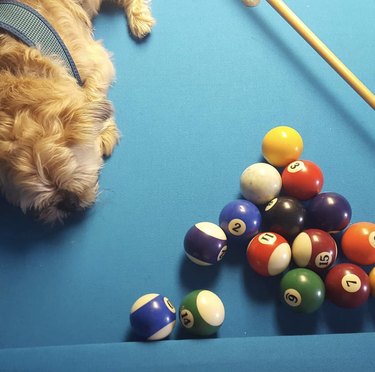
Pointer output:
x,y
320,47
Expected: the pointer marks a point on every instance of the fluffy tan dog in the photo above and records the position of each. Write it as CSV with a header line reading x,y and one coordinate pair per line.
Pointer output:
x,y
54,132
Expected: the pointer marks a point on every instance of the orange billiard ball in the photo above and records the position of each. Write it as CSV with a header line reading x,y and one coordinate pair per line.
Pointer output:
x,y
358,243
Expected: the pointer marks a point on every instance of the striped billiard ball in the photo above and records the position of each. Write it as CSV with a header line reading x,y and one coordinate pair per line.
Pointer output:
x,y
202,313
153,317
314,249
268,254
205,243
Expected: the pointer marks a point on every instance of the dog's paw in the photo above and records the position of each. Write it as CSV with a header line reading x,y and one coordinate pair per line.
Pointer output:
x,y
140,19
109,137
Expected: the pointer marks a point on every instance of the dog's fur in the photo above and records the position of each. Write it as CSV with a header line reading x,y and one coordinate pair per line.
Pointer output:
x,y
53,132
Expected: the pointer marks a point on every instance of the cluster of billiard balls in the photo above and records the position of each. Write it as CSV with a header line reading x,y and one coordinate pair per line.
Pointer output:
x,y
283,217
286,217
153,316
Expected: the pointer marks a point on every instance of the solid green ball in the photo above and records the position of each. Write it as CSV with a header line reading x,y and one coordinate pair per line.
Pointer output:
x,y
302,290
202,313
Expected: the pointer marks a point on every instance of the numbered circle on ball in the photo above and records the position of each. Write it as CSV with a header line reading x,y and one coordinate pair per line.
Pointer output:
x,y
292,297
221,255
371,239
237,227
267,238
323,260
169,305
187,318
296,166
270,204
351,283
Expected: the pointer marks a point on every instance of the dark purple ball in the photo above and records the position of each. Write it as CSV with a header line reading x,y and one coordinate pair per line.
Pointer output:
x,y
330,212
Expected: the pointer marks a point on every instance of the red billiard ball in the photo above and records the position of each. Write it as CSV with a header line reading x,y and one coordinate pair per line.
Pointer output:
x,y
314,249
347,285
329,211
284,215
268,254
302,179
358,243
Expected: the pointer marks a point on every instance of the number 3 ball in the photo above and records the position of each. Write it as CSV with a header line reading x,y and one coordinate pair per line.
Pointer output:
x,y
358,243
202,313
302,179
240,220
347,285
268,254
153,317
303,290
205,243
314,249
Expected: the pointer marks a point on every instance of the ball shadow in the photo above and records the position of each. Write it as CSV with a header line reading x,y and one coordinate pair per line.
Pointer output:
x,y
193,276
291,323
342,320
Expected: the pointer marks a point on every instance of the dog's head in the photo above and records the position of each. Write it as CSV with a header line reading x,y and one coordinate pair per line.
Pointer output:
x,y
50,148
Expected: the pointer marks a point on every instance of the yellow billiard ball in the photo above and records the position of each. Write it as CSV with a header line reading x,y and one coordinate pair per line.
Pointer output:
x,y
282,145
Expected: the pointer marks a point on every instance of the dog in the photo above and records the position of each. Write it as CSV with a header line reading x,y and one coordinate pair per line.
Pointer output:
x,y
54,132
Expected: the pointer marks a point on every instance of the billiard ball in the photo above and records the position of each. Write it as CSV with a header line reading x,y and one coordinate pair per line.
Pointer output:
x,y
260,183
202,313
282,145
302,179
284,215
347,285
205,243
153,317
371,276
314,249
240,220
268,254
358,243
303,290
329,211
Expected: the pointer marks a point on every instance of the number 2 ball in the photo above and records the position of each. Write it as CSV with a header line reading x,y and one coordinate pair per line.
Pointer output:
x,y
303,290
314,249
347,285
240,220
153,317
268,254
205,244
302,179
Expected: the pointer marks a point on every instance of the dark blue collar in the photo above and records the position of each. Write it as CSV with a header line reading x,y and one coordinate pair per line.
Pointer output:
x,y
35,31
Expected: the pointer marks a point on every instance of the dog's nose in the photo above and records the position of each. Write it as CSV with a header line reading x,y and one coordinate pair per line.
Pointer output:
x,y
69,203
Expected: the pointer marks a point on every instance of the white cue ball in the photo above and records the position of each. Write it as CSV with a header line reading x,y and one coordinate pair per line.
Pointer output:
x,y
260,183
251,2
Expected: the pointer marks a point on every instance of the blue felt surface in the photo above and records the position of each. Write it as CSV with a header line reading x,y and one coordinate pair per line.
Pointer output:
x,y
193,103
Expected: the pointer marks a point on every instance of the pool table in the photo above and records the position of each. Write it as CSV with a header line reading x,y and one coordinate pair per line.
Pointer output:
x,y
193,102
